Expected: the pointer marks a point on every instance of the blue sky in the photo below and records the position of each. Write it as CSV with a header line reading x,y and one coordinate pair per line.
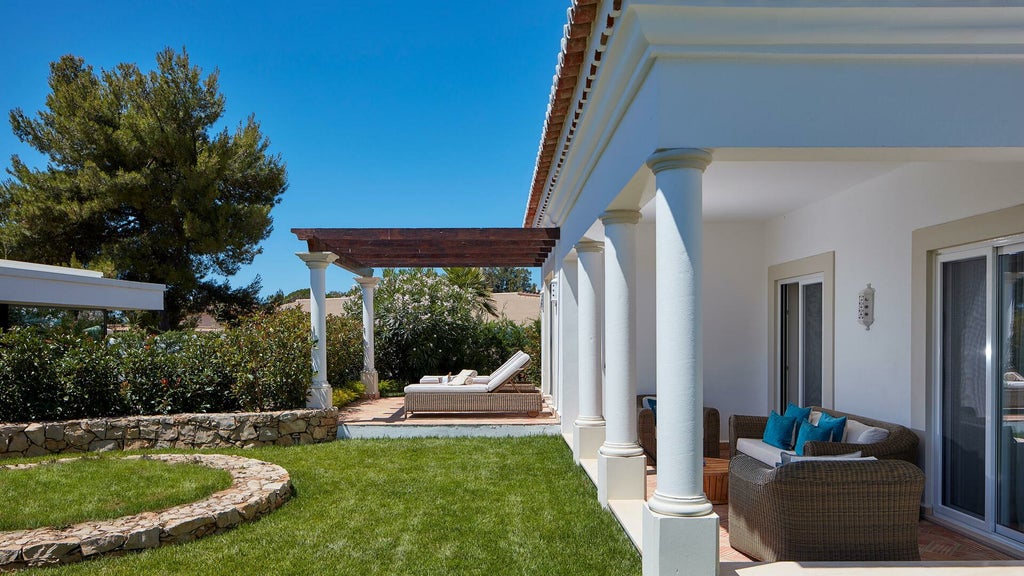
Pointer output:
x,y
388,113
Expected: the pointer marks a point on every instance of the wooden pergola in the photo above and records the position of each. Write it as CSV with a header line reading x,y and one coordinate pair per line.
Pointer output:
x,y
360,250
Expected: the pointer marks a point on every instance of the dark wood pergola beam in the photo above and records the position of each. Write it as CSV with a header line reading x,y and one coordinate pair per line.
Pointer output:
x,y
362,249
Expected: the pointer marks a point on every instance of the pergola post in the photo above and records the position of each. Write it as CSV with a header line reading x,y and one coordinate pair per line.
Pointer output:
x,y
368,284
320,395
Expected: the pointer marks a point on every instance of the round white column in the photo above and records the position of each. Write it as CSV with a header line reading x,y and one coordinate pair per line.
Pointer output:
x,y
320,391
591,270
368,284
679,265
620,334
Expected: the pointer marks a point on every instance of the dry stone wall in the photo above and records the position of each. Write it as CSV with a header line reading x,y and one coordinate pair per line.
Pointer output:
x,y
242,430
257,488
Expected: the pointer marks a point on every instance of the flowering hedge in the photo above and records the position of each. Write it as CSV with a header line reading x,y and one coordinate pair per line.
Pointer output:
x,y
262,364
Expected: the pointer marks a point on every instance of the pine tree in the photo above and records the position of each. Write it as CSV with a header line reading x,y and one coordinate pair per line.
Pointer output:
x,y
138,181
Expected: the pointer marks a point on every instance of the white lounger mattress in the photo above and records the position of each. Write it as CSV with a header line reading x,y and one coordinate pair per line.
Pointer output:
x,y
464,389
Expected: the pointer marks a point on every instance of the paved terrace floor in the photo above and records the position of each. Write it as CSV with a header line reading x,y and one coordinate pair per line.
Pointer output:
x,y
939,546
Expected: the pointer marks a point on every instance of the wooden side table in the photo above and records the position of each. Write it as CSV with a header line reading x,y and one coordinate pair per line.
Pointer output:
x,y
716,480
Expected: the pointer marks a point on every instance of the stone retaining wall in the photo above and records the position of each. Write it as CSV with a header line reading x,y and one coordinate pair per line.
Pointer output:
x,y
243,430
257,488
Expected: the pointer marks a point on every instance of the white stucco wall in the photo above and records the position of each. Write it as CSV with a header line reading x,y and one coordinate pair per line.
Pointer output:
x,y
646,341
869,227
735,319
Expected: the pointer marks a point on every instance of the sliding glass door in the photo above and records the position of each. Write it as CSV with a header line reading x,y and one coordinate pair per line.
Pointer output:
x,y
979,317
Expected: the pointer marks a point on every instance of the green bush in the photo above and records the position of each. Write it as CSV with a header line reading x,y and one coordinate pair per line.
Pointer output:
x,y
347,392
344,348
268,356
424,325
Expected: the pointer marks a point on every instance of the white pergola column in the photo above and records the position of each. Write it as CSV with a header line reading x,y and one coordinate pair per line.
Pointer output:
x,y
320,391
369,374
680,531
621,466
589,428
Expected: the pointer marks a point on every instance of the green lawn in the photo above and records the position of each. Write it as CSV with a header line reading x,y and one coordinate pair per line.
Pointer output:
x,y
424,506
99,488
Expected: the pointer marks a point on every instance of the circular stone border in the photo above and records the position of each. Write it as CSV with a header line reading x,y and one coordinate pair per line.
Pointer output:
x,y
257,488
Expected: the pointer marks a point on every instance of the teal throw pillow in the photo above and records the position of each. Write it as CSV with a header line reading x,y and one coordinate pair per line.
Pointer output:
x,y
652,403
779,431
834,425
810,433
797,412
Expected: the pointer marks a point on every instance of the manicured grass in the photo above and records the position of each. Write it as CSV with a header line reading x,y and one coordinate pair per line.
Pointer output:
x,y
94,488
424,506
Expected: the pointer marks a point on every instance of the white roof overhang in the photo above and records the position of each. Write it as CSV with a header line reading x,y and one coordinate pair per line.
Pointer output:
x,y
28,284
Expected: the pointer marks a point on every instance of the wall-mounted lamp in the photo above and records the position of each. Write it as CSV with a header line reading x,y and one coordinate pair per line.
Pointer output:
x,y
866,307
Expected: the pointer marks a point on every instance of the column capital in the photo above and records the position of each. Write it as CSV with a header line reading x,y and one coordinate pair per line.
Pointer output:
x,y
589,246
317,259
676,158
368,282
620,217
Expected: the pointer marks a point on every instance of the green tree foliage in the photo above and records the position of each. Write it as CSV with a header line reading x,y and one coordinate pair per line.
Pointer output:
x,y
473,281
137,180
509,279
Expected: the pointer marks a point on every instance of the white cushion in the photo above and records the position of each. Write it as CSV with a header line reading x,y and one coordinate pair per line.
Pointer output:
x,y
859,433
499,376
814,417
872,435
466,389
645,402
462,378
761,450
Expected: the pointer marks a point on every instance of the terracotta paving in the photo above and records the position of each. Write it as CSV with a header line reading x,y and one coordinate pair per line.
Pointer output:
x,y
936,542
385,411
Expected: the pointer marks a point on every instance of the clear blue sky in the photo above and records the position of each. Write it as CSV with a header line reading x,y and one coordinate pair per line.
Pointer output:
x,y
388,113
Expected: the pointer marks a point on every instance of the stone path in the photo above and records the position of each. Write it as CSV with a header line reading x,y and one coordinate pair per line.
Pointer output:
x,y
257,488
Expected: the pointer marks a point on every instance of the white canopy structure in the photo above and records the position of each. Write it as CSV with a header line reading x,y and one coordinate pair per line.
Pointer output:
x,y
28,284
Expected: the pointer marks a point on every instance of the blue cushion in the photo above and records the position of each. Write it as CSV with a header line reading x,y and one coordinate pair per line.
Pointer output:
x,y
810,433
652,403
779,431
834,425
797,412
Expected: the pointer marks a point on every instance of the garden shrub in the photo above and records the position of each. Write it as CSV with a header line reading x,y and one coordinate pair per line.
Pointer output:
x,y
268,356
28,375
424,325
347,392
174,372
344,348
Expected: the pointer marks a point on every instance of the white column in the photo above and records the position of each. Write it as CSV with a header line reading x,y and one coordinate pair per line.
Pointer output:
x,y
678,515
589,428
621,466
369,373
320,391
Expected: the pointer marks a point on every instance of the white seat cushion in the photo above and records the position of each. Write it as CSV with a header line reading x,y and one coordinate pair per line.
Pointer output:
x,y
859,433
761,450
465,389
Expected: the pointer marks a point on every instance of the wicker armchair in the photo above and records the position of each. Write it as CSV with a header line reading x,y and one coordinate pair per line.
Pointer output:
x,y
825,511
649,439
901,443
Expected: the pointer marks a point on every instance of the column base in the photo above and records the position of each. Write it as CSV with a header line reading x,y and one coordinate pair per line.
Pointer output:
x,y
621,478
586,440
369,380
321,395
679,544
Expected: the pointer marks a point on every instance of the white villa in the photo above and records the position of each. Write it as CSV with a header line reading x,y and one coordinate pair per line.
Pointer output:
x,y
708,160
745,203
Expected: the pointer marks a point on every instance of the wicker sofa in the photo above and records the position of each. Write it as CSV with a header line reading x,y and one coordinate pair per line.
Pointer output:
x,y
826,510
649,439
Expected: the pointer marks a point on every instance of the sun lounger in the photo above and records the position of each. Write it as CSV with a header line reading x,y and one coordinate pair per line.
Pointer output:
x,y
494,393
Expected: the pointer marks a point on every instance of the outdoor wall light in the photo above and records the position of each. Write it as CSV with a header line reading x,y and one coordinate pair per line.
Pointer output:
x,y
866,307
